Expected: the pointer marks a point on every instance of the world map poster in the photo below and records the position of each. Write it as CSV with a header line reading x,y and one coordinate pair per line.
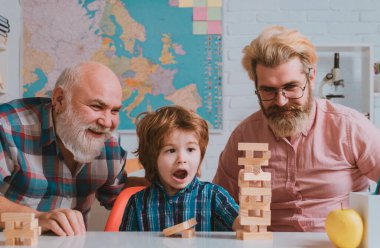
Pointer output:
x,y
164,52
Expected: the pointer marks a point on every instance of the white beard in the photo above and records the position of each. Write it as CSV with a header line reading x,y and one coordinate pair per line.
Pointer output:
x,y
72,132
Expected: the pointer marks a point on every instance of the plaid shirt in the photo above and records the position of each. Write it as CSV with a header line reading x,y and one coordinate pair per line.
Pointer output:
x,y
152,209
32,169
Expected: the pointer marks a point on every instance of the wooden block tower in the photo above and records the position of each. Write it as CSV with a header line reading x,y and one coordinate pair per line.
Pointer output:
x,y
20,229
254,192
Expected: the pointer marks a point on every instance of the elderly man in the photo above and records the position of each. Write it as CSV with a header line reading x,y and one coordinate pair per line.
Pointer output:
x,y
320,151
57,154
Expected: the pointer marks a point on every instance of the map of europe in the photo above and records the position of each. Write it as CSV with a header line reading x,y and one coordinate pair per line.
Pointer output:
x,y
149,44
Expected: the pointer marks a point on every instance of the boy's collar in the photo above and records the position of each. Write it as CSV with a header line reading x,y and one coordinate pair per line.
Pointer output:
x,y
188,188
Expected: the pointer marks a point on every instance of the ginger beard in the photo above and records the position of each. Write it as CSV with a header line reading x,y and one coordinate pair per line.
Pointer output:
x,y
290,119
72,131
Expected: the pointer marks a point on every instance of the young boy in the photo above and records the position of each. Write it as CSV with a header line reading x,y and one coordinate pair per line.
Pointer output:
x,y
172,145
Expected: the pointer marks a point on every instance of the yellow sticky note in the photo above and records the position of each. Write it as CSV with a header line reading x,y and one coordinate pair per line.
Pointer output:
x,y
214,3
186,3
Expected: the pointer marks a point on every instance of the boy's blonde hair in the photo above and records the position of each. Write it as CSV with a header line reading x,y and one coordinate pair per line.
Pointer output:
x,y
153,128
276,45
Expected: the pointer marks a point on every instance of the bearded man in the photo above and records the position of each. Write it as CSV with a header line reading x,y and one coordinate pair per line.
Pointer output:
x,y
58,154
320,151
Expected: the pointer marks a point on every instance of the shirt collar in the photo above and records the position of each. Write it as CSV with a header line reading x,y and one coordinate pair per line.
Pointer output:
x,y
189,188
47,125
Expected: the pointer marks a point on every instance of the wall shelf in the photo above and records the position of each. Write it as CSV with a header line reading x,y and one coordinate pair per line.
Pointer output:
x,y
356,69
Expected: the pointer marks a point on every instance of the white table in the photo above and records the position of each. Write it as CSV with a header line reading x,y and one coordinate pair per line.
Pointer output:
x,y
157,240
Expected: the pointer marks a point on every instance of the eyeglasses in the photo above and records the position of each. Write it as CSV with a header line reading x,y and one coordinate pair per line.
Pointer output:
x,y
290,91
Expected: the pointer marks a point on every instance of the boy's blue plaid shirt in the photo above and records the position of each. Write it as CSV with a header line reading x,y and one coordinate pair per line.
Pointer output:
x,y
152,209
32,170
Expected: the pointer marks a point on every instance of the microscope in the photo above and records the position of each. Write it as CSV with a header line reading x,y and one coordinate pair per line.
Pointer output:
x,y
332,78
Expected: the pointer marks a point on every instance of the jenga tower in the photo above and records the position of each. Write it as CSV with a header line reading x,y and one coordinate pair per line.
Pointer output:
x,y
20,229
254,192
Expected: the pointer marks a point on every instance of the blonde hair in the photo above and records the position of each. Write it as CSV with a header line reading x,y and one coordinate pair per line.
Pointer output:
x,y
276,45
153,127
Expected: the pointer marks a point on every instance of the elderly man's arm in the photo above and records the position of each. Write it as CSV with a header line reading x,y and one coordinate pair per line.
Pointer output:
x,y
62,222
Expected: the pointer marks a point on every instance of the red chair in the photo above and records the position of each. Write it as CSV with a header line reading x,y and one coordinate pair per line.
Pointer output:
x,y
116,214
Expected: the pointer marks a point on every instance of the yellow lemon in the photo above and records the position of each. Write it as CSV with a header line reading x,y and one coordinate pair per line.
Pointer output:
x,y
344,227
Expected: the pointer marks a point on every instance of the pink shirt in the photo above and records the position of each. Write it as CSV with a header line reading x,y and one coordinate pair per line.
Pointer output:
x,y
315,171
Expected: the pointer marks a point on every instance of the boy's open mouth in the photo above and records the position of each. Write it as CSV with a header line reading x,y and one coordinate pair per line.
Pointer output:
x,y
180,174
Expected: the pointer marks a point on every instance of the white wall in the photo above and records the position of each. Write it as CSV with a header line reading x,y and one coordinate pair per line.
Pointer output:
x,y
324,21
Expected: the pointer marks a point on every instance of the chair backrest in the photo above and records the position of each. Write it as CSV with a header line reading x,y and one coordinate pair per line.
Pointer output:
x,y
133,165
116,214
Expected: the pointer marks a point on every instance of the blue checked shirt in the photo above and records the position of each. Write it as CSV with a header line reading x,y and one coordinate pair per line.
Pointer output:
x,y
32,169
152,209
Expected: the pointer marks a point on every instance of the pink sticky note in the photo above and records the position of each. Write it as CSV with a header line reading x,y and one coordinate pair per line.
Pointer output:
x,y
199,13
214,27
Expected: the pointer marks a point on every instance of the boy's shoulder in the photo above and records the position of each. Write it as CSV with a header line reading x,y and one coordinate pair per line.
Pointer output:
x,y
211,186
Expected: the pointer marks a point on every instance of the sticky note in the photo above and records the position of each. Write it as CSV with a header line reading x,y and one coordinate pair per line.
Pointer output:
x,y
200,13
214,14
174,3
214,3
200,27
214,27
200,3
185,3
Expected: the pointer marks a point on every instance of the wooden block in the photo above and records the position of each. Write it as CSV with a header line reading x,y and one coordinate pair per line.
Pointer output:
x,y
254,202
255,221
256,205
249,154
266,198
10,242
253,161
9,225
26,217
253,228
246,200
263,228
267,154
189,233
253,146
245,184
179,227
255,169
30,242
243,212
254,213
241,234
16,233
267,184
263,176
30,225
255,191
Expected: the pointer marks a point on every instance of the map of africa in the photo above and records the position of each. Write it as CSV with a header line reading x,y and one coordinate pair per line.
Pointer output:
x,y
149,44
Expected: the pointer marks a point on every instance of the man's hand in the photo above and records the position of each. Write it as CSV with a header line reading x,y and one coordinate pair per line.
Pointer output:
x,y
62,221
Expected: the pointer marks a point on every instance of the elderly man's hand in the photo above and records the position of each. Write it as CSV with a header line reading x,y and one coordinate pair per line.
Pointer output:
x,y
63,222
